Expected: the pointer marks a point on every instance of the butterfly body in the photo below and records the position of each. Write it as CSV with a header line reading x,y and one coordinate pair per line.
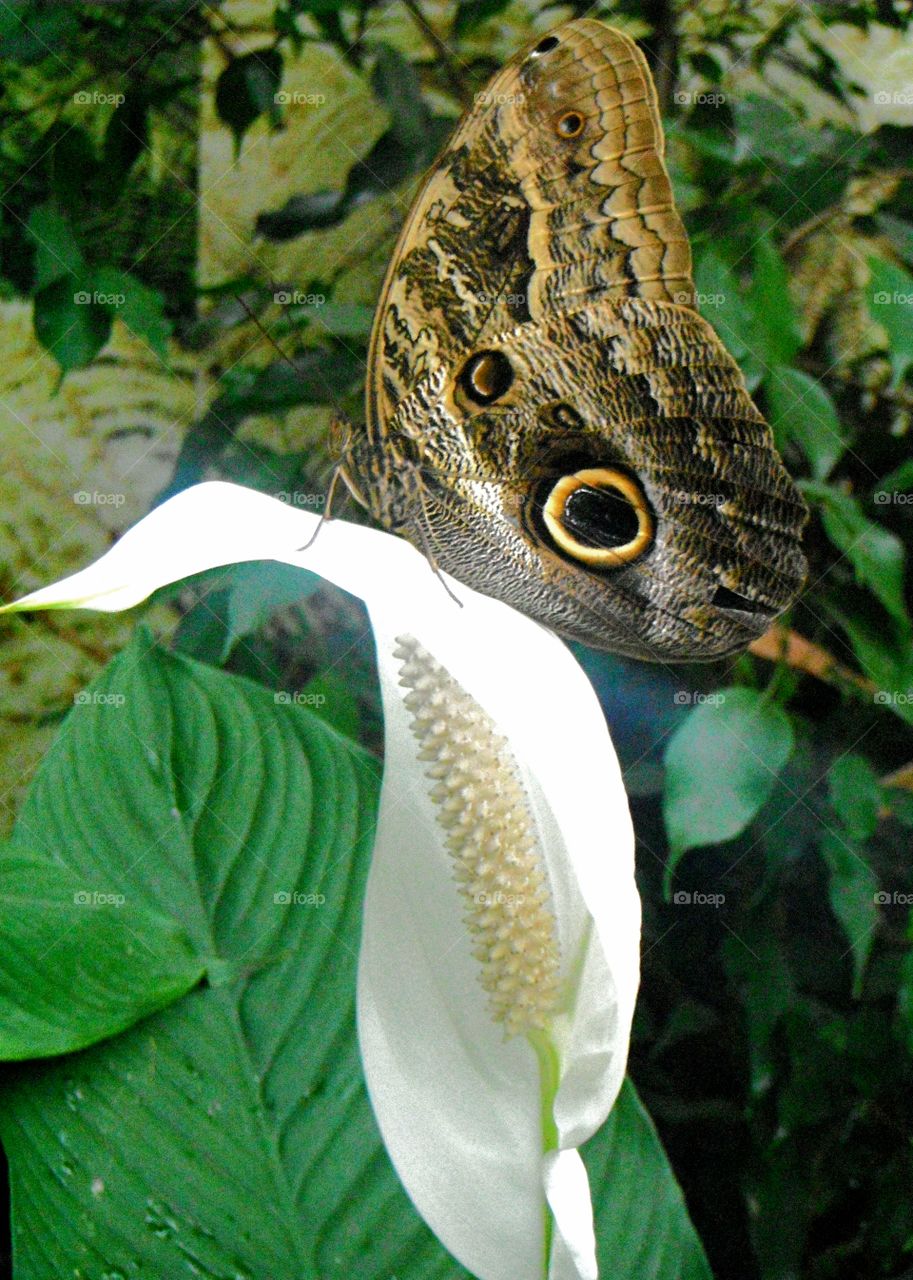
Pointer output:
x,y
548,417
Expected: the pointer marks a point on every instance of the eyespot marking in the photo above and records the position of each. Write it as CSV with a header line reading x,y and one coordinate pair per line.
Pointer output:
x,y
569,125
600,517
486,377
562,416
544,45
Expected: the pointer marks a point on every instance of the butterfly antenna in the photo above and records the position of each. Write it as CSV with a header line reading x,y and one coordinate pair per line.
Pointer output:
x,y
338,424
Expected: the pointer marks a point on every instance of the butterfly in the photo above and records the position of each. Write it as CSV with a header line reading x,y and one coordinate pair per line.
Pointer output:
x,y
548,417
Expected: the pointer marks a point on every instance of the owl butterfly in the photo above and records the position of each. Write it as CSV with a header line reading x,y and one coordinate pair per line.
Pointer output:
x,y
548,417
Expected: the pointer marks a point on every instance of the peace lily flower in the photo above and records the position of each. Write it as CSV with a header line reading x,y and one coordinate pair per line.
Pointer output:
x,y
499,954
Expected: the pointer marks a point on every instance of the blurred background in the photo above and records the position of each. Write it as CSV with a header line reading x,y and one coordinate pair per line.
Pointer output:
x,y
199,202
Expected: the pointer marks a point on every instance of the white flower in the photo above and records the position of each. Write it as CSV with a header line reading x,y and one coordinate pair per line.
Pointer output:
x,y
499,954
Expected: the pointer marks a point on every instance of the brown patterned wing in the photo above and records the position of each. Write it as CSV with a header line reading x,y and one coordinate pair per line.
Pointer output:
x,y
551,195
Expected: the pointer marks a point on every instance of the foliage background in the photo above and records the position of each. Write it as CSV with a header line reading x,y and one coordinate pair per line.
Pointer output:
x,y
223,183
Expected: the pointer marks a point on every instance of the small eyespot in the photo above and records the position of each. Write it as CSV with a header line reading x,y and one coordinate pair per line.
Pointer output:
x,y
562,416
486,377
570,125
544,45
598,516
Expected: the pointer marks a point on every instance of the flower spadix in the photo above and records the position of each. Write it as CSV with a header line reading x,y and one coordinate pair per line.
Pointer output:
x,y
499,954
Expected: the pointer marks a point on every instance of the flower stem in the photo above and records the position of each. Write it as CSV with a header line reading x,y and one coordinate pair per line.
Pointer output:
x,y
549,1076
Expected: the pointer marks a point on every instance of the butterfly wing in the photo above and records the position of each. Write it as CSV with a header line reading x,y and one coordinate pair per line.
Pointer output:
x,y
523,214
536,326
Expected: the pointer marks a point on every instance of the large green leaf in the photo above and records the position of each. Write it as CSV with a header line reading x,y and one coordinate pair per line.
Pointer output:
x,y
721,765
801,409
852,891
69,323
776,329
876,554
230,1134
855,794
78,961
642,1225
890,299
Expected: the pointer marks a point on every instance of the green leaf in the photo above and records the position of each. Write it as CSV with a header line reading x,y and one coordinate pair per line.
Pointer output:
x,y
901,478
470,14
852,891
801,410
643,1231
720,301
142,309
30,33
332,700
70,324
79,961
890,299
721,765
200,797
886,661
766,130
776,329
126,136
258,590
397,85
350,320
247,88
57,253
876,555
856,795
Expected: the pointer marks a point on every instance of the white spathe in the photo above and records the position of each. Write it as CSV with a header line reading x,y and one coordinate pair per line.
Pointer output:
x,y
458,1104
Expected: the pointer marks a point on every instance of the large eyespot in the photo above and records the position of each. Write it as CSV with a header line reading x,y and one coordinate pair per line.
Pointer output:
x,y
486,377
569,125
599,516
544,45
